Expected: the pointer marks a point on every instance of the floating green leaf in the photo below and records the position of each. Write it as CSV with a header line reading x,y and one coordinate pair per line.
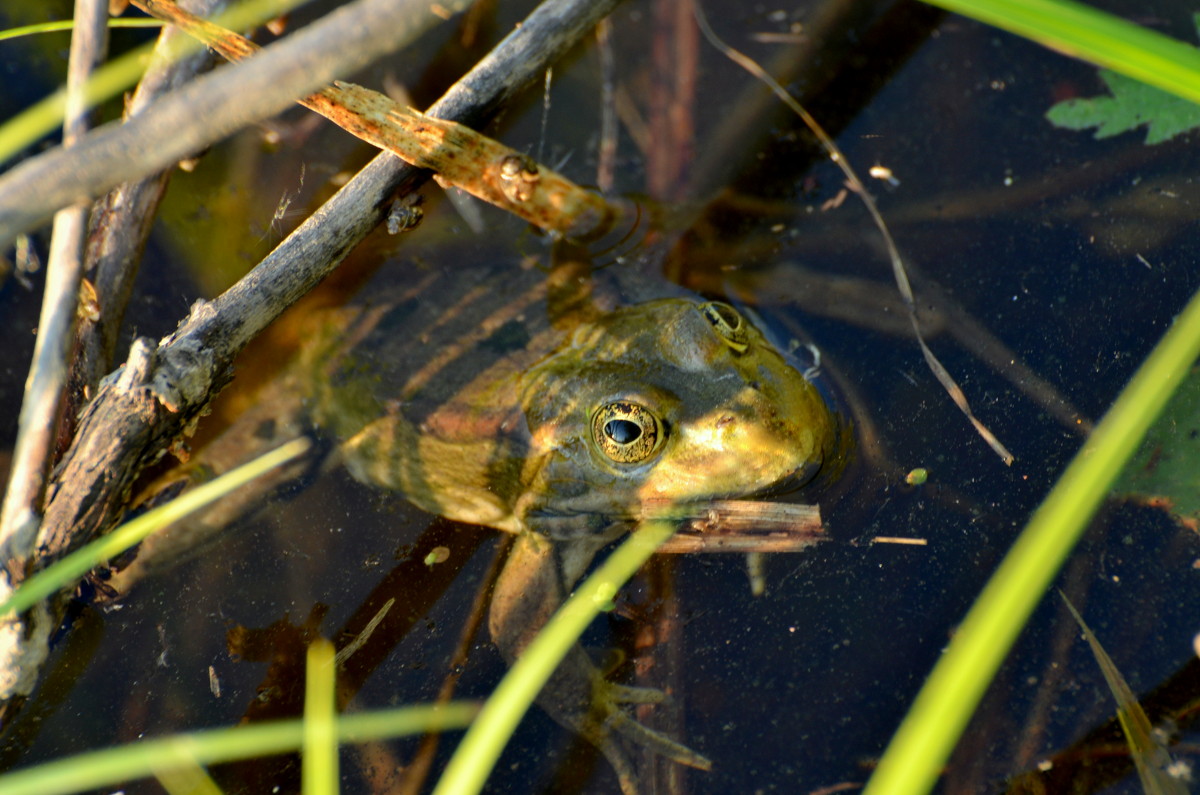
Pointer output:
x,y
1131,104
1166,470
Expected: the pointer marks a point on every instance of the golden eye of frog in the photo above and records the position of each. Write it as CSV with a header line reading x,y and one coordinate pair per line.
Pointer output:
x,y
479,409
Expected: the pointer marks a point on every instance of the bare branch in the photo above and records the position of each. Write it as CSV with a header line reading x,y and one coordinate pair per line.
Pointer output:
x,y
121,222
346,40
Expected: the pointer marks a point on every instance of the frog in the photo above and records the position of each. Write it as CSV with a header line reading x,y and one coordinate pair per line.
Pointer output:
x,y
557,407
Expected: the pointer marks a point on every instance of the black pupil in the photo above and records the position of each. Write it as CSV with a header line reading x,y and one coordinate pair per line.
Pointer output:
x,y
622,431
720,312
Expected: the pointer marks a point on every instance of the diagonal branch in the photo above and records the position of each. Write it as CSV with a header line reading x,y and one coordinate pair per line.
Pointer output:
x,y
458,155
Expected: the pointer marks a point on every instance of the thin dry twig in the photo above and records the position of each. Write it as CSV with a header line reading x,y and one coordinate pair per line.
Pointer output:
x,y
34,450
226,101
899,272
163,389
742,526
606,156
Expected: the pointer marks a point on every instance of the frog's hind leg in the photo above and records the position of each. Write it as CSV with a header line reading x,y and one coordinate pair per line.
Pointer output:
x,y
532,586
645,737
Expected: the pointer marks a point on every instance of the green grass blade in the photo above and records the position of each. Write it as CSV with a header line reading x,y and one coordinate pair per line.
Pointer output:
x,y
1094,36
99,769
190,780
66,571
477,753
1150,757
60,25
114,77
937,718
319,774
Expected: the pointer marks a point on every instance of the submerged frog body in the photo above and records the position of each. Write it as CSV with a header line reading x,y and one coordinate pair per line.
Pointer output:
x,y
486,404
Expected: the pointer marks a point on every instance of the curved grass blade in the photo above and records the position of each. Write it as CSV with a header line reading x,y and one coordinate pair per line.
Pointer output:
x,y
98,769
66,571
937,718
1150,757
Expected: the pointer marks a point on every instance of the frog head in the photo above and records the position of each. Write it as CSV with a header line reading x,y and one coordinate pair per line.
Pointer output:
x,y
670,400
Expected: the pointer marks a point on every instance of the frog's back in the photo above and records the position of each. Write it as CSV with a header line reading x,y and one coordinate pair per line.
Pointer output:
x,y
418,378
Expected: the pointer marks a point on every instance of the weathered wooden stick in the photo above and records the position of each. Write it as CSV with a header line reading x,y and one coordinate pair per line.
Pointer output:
x,y
459,156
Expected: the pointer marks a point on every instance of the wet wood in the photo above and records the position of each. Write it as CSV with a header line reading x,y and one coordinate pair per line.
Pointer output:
x,y
742,526
121,222
459,156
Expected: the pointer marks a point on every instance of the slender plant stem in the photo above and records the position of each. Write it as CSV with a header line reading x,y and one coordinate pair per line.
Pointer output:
x,y
38,423
99,769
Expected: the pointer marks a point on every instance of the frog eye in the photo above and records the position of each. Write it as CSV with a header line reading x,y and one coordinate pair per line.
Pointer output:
x,y
628,433
728,323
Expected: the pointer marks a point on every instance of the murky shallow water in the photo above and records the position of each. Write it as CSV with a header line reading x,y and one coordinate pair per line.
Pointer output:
x,y
1072,253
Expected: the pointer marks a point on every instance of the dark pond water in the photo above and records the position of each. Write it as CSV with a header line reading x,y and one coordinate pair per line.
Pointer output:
x,y
1038,247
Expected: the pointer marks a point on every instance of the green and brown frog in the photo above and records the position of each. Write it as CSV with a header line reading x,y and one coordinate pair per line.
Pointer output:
x,y
555,407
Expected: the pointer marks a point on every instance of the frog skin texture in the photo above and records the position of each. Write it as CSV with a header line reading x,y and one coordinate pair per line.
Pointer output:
x,y
553,408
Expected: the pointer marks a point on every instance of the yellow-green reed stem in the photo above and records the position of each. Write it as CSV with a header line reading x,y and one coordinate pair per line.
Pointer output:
x,y
100,769
60,25
187,780
319,774
66,571
1095,36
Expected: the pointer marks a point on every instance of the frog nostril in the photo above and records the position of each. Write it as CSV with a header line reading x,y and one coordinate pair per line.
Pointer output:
x,y
725,420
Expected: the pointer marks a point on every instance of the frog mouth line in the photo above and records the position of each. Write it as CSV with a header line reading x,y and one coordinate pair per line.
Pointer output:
x,y
666,508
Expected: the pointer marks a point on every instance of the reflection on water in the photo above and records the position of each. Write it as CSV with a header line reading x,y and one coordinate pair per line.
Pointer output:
x,y
1027,263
